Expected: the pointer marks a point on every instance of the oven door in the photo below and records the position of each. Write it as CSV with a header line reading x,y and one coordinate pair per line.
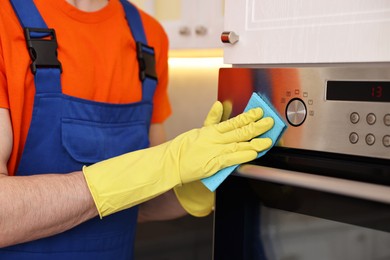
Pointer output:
x,y
264,212
317,194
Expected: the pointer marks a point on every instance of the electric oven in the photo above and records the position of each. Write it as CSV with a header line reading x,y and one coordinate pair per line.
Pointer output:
x,y
323,192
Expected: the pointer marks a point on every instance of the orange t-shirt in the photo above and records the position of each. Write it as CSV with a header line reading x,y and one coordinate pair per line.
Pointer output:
x,y
98,57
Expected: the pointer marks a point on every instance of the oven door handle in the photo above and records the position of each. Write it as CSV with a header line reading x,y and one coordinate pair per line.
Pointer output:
x,y
356,189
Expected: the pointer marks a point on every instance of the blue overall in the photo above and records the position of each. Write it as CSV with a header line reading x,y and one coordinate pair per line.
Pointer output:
x,y
68,132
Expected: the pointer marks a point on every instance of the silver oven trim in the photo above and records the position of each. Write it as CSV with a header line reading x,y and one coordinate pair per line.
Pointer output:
x,y
368,191
344,127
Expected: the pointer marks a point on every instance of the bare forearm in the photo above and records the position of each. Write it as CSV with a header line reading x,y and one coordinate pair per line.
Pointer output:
x,y
42,205
163,207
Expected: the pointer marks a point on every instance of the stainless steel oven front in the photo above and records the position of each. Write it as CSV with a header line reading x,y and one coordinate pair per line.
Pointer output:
x,y
323,192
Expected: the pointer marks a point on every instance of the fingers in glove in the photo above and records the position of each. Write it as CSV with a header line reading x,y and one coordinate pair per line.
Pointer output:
x,y
238,153
228,159
256,144
227,110
249,131
215,114
241,120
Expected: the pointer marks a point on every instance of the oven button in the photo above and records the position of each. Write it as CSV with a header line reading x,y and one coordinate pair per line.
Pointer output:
x,y
371,119
386,119
354,138
354,117
386,140
370,139
296,112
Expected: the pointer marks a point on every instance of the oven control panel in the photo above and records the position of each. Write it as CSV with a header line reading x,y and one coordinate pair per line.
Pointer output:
x,y
342,110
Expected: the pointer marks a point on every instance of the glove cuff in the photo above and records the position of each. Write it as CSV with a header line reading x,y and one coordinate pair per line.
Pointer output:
x,y
128,180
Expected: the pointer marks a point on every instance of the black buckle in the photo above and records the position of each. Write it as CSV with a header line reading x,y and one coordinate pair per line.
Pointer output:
x,y
42,48
146,61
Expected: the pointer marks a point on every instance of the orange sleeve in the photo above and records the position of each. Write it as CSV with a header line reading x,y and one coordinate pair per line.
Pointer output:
x,y
158,38
4,103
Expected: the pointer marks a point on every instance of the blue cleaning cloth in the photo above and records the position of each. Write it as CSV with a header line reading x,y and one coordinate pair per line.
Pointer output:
x,y
275,133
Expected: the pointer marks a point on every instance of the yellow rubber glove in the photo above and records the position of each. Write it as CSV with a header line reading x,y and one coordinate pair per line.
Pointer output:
x,y
127,180
194,197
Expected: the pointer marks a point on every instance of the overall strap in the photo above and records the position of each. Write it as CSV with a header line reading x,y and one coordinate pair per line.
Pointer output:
x,y
42,46
145,53
28,14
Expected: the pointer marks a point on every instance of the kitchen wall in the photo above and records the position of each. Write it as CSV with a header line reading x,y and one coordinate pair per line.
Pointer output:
x,y
192,91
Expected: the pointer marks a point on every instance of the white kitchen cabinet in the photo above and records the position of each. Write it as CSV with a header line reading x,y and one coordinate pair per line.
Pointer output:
x,y
303,31
189,24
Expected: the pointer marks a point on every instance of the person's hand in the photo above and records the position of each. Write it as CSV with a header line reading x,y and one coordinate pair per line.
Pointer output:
x,y
202,152
194,197
130,179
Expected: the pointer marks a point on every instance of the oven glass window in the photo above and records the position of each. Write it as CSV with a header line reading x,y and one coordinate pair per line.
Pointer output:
x,y
291,236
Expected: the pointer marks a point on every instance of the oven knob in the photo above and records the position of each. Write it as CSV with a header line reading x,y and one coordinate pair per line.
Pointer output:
x,y
296,112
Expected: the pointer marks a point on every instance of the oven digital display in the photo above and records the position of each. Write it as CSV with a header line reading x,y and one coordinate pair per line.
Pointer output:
x,y
372,91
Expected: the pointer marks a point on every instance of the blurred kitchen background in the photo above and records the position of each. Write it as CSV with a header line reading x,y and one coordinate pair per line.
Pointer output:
x,y
195,56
